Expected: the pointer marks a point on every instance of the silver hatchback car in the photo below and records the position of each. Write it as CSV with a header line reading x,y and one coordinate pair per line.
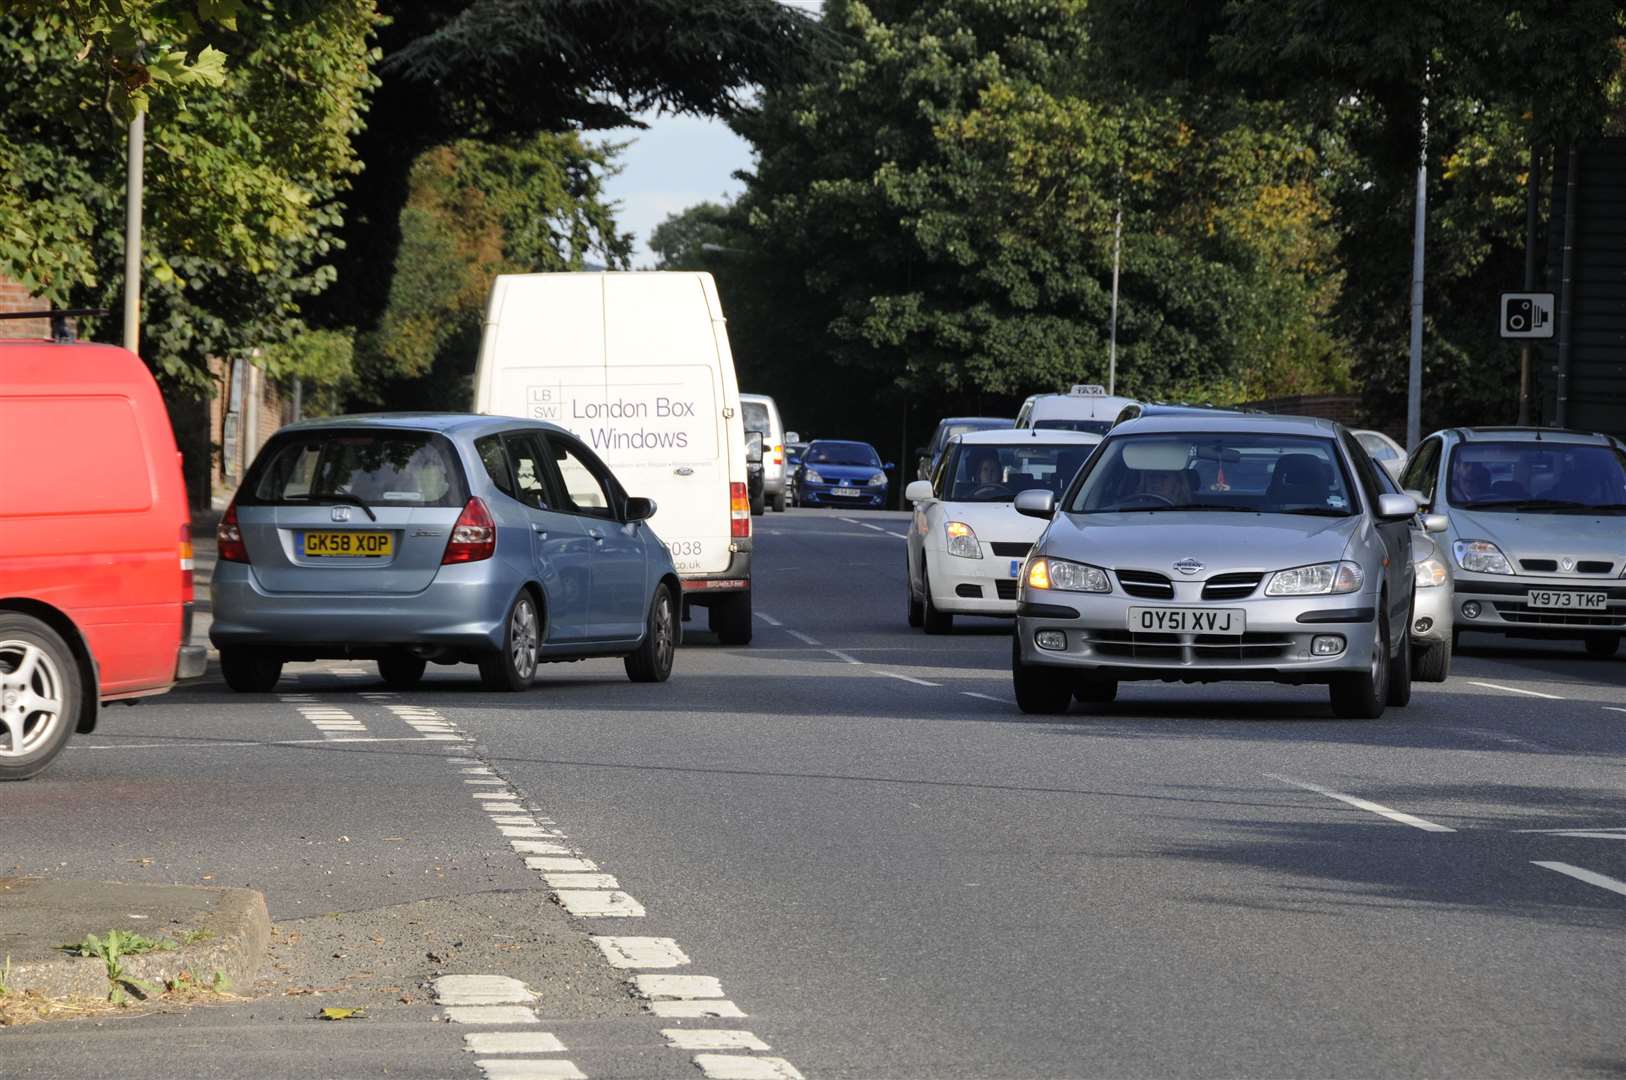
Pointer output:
x,y
1202,548
1537,529
446,538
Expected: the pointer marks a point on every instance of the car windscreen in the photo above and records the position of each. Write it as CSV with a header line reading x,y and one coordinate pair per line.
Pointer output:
x,y
984,473
1090,427
1244,472
1553,477
1380,450
378,468
841,453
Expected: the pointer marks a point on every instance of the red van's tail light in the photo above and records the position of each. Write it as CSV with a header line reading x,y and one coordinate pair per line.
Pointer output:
x,y
739,511
188,590
474,537
229,538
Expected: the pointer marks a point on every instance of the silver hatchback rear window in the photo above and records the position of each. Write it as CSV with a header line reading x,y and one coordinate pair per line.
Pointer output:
x,y
379,468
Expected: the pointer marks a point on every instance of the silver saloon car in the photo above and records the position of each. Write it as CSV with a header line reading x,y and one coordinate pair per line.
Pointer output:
x,y
445,538
1197,549
1537,530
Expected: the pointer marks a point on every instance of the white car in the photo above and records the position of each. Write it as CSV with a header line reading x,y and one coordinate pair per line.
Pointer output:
x,y
967,543
1086,407
1383,450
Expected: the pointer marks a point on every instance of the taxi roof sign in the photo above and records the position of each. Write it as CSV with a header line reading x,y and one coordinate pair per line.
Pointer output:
x,y
1088,390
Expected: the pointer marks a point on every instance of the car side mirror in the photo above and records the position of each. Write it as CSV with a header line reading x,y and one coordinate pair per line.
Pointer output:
x,y
919,491
1036,504
640,509
753,448
793,436
1436,523
1394,507
1422,500
888,467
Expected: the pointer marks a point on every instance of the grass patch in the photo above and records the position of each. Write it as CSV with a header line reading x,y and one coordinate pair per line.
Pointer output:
x,y
111,950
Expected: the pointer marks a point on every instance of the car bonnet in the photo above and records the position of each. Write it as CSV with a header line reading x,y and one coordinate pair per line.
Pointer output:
x,y
1222,542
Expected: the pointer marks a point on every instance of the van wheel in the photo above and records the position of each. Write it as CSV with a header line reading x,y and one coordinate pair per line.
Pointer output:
x,y
730,618
39,695
401,671
249,671
1603,646
759,504
1363,695
779,502
937,621
1043,690
653,660
514,666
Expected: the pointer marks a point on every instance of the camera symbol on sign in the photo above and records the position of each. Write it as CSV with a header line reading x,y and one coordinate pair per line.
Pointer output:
x,y
1527,315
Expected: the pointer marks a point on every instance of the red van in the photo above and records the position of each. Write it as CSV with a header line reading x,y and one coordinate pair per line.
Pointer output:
x,y
95,543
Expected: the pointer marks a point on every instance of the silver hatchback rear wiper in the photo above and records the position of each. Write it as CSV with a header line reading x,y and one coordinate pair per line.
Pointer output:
x,y
338,497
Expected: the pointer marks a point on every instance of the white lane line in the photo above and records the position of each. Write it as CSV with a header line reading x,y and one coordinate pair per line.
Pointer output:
x,y
839,655
599,904
549,865
1515,690
642,952
909,678
491,1014
512,1042
581,881
1614,708
1365,804
803,638
984,697
481,990
678,987
769,619
712,1039
740,1067
529,1069
167,746
694,1010
867,525
850,521
1588,876
1585,834
304,742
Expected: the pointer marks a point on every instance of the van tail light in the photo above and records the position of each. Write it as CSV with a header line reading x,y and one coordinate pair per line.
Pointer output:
x,y
739,512
474,537
779,455
189,591
229,538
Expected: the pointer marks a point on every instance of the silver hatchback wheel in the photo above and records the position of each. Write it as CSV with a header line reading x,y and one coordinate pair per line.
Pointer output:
x,y
32,698
524,631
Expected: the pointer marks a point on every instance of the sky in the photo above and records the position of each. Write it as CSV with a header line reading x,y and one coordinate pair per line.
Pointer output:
x,y
677,162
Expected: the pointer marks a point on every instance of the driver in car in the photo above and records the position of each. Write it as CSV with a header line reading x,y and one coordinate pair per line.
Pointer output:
x,y
1171,485
984,469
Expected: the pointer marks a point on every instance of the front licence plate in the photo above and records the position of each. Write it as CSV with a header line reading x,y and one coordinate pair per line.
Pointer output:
x,y
348,544
1172,620
846,491
1567,601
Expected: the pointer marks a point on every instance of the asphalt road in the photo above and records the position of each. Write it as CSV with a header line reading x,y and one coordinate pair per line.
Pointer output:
x,y
889,869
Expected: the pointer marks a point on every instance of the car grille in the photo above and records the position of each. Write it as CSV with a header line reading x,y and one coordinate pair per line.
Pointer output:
x,y
1145,584
1515,611
1204,648
1231,586
1550,566
1008,550
1006,588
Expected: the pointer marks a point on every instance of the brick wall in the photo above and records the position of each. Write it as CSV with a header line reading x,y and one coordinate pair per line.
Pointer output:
x,y
233,449
13,297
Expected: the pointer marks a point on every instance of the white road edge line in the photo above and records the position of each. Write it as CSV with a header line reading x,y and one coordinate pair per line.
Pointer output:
x,y
1365,804
984,697
1515,690
769,619
803,638
1614,708
839,655
909,678
1587,876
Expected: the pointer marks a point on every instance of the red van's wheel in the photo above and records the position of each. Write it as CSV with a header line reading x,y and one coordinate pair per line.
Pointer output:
x,y
39,695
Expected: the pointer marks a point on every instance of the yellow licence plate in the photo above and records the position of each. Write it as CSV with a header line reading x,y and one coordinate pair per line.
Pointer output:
x,y
349,544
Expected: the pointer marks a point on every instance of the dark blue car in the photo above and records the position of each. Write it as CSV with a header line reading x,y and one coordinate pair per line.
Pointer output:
x,y
835,472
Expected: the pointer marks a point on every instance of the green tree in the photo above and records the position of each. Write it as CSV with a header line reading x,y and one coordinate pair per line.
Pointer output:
x,y
680,242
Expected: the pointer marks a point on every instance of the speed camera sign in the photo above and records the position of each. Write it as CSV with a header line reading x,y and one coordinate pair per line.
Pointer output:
x,y
1527,315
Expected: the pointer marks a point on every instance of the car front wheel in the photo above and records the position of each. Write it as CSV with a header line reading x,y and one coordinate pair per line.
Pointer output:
x,y
1042,690
1603,646
1431,663
514,666
937,621
1363,695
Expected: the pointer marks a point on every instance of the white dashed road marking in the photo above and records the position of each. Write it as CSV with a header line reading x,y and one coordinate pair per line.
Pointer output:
x,y
713,1039
984,697
697,1009
839,655
490,1014
679,987
512,1042
599,904
1590,877
1515,690
803,638
526,1069
641,952
481,990
1364,804
740,1067
769,619
909,679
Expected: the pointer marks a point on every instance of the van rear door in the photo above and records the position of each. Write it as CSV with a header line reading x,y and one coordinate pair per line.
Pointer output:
x,y
350,510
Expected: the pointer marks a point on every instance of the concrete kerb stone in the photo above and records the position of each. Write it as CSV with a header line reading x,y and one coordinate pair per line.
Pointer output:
x,y
39,915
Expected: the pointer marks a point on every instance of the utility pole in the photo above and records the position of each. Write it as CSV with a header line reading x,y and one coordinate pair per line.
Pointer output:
x,y
132,232
1414,378
1531,198
1112,331
1566,296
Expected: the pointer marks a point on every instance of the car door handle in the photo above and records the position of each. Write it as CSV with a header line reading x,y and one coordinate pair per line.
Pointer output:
x,y
540,531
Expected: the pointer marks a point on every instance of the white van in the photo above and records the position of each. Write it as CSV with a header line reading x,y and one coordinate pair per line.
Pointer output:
x,y
637,366
761,414
1086,407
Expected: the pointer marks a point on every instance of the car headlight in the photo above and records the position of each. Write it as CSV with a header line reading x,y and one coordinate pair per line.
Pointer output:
x,y
877,480
962,541
1481,557
1431,573
1067,576
1319,579
812,477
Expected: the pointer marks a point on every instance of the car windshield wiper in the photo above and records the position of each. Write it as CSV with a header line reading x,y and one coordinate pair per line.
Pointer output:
x,y
1557,505
1176,509
337,496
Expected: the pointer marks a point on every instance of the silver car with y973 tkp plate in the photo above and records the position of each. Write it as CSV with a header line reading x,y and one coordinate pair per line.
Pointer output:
x,y
1199,549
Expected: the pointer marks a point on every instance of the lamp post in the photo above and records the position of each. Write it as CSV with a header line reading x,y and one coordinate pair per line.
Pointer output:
x,y
1112,326
132,232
